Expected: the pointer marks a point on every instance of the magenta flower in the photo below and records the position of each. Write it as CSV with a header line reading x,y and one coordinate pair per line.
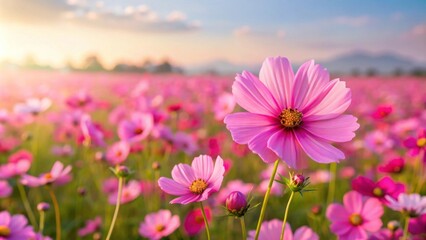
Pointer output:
x,y
5,189
382,111
92,135
271,230
395,165
18,164
356,217
80,99
58,176
417,225
92,226
194,221
14,227
137,128
290,114
159,224
417,145
385,186
117,153
194,183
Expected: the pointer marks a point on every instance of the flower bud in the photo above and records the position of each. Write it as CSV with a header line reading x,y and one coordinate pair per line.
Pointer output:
x,y
316,210
156,166
122,171
236,203
298,180
81,191
43,207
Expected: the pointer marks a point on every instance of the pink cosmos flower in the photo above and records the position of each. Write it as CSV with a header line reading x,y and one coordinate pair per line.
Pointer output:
x,y
384,187
159,224
130,192
137,128
417,225
194,183
382,111
386,234
91,133
80,99
271,230
184,142
33,106
194,221
58,176
14,227
290,114
117,153
417,145
413,204
356,217
378,141
18,164
276,189
92,226
395,165
5,189
224,105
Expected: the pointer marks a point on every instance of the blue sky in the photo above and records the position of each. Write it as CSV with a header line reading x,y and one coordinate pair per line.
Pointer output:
x,y
194,32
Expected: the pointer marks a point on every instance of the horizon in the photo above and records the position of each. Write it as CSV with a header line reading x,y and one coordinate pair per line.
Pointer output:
x,y
190,34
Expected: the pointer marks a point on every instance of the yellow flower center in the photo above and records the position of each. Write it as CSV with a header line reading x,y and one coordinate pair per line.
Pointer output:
x,y
4,231
421,142
378,192
48,176
198,186
290,118
355,219
160,228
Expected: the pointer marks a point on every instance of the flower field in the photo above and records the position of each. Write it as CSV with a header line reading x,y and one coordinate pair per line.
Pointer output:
x,y
141,156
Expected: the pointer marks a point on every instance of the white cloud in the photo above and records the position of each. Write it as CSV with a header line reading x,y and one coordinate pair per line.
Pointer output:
x,y
176,16
353,21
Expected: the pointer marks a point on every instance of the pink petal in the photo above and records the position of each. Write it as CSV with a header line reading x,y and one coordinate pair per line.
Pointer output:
x,y
259,145
332,102
373,226
337,213
339,129
183,174
252,95
355,233
4,218
56,169
353,202
285,145
372,209
277,74
172,187
244,126
185,199
202,166
305,233
17,222
218,171
318,149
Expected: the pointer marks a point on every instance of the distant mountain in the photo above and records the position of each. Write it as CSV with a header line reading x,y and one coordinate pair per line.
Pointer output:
x,y
364,62
359,62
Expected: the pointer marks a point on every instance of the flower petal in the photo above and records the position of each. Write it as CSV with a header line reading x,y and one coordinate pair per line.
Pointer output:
x,y
183,174
353,202
172,187
244,126
285,145
259,145
254,96
372,209
318,149
339,129
277,74
202,166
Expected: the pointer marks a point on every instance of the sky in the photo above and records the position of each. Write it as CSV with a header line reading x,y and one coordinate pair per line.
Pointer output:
x,y
191,33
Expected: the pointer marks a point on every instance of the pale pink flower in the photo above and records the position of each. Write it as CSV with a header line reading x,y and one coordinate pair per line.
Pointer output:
x,y
271,230
159,224
130,192
118,153
59,175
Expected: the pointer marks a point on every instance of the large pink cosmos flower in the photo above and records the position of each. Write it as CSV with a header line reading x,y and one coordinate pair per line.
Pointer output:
x,y
14,227
288,114
59,175
356,217
271,230
194,183
159,224
384,187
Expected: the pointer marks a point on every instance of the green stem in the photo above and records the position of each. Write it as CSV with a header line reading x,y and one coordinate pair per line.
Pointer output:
x,y
332,184
405,235
41,222
285,215
57,213
243,228
26,203
265,200
117,206
206,221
